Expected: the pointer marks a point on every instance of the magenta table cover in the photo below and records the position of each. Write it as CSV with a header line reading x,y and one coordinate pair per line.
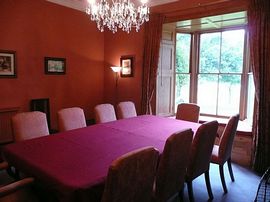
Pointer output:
x,y
74,162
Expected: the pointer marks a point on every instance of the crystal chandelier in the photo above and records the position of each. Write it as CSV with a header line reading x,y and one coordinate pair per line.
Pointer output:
x,y
120,14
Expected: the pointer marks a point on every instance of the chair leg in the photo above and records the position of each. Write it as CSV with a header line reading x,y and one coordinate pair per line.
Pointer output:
x,y
10,172
230,169
13,172
17,174
181,195
190,191
208,185
222,179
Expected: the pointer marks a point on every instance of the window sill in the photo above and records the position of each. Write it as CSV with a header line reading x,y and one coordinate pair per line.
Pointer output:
x,y
243,128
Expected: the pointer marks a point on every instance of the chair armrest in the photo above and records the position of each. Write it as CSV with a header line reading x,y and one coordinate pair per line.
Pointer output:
x,y
14,186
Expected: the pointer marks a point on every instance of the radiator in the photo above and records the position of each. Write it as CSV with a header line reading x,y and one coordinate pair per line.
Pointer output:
x,y
6,135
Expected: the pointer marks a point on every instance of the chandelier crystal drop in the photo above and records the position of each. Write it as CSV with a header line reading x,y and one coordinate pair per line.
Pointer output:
x,y
120,14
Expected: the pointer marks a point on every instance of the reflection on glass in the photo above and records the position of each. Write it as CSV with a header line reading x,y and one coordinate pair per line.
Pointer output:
x,y
228,94
209,52
182,52
232,51
182,88
251,99
207,93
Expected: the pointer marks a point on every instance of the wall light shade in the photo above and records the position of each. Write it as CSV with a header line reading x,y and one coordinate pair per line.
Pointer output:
x,y
116,69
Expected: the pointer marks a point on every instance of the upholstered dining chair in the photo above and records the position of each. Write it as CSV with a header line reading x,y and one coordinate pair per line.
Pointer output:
x,y
104,113
172,166
126,110
71,118
131,177
9,190
222,153
188,112
201,150
28,125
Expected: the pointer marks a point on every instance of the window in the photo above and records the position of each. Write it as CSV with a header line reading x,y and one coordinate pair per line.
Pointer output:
x,y
220,71
205,61
251,98
218,79
182,68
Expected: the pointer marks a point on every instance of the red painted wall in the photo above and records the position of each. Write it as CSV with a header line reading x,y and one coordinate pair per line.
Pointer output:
x,y
128,88
37,28
132,44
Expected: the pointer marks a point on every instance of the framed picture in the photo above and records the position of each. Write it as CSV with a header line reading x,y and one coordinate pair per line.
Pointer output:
x,y
127,66
7,64
55,65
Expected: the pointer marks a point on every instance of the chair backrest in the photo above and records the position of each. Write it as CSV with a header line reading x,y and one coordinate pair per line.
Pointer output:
x,y
201,149
71,118
172,166
227,137
126,110
104,113
131,177
188,112
28,125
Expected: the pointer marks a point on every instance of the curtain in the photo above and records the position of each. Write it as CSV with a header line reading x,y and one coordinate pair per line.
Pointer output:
x,y
153,32
259,38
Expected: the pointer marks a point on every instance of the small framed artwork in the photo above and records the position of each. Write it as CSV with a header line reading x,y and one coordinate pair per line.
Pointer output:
x,y
55,65
127,66
7,64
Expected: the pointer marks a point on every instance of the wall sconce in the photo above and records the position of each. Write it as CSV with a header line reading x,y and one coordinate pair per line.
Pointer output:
x,y
117,71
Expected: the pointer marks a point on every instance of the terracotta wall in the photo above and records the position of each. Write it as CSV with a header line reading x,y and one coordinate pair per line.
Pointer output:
x,y
37,28
128,88
132,44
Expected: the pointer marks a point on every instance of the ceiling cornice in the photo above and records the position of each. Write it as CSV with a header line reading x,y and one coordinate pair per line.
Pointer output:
x,y
81,4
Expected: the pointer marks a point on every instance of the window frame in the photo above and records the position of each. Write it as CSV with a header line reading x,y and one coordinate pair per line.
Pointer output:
x,y
194,68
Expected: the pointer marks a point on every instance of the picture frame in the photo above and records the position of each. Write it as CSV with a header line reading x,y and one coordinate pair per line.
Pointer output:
x,y
127,64
8,64
55,65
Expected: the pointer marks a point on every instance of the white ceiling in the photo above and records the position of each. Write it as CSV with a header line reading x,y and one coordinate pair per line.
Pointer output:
x,y
212,22
81,4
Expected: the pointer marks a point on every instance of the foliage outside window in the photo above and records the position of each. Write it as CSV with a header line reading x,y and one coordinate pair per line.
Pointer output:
x,y
219,77
182,68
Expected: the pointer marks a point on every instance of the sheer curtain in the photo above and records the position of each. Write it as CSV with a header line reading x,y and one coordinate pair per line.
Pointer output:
x,y
259,36
153,32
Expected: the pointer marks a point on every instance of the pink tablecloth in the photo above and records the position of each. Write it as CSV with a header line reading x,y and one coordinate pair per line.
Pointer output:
x,y
76,161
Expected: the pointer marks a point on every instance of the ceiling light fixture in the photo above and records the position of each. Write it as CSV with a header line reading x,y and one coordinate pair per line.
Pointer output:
x,y
120,14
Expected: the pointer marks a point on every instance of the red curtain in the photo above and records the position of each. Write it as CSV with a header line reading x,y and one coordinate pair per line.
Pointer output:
x,y
259,38
153,32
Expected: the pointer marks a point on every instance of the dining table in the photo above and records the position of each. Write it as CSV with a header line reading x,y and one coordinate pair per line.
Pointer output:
x,y
73,165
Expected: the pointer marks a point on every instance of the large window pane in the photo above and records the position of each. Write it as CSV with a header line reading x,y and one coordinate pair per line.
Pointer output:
x,y
182,88
229,94
209,52
232,51
207,93
251,99
182,52
214,82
